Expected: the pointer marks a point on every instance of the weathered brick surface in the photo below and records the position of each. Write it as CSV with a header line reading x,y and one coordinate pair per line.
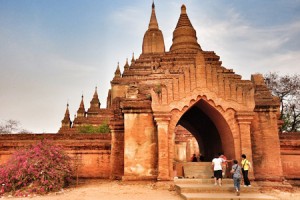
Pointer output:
x,y
290,155
90,153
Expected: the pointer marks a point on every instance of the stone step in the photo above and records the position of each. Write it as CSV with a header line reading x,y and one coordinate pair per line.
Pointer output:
x,y
197,170
201,181
226,196
211,188
198,175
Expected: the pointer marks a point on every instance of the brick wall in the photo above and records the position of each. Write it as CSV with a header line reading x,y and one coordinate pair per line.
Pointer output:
x,y
89,152
290,155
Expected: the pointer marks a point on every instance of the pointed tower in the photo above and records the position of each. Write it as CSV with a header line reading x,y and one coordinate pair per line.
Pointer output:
x,y
95,105
153,41
132,59
66,122
126,66
132,63
81,109
81,115
184,35
118,72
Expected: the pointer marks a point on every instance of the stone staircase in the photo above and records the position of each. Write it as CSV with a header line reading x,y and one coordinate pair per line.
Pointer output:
x,y
197,184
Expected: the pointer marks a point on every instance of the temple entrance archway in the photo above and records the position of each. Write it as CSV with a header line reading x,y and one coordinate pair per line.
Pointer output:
x,y
210,127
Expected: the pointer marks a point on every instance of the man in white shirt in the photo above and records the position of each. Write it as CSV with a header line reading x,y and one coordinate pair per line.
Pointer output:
x,y
217,165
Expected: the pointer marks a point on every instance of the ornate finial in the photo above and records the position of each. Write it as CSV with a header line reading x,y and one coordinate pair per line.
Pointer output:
x,y
153,21
183,9
118,72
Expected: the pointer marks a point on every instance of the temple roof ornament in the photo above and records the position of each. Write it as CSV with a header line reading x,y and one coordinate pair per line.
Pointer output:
x,y
66,122
94,104
132,59
184,35
81,109
153,21
126,66
118,71
153,41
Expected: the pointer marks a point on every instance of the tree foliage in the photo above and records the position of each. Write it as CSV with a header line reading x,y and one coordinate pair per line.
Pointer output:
x,y
287,88
11,126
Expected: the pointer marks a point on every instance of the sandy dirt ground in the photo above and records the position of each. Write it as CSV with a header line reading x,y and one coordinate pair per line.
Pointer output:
x,y
116,190
110,190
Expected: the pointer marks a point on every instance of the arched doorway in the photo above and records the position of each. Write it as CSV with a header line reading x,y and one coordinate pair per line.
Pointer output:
x,y
210,127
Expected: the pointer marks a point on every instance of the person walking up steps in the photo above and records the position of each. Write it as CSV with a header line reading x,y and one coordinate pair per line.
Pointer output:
x,y
224,164
246,165
217,166
236,171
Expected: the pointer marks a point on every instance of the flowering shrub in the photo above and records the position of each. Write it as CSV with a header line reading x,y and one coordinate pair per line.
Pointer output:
x,y
39,169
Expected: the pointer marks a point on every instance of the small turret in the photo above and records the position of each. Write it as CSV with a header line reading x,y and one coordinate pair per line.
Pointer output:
x,y
118,72
94,105
126,66
66,122
81,109
132,59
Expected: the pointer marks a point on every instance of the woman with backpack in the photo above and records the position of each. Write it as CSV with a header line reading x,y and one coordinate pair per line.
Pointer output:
x,y
236,171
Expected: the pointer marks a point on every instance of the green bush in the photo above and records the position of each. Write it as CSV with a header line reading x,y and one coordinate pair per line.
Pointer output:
x,y
103,128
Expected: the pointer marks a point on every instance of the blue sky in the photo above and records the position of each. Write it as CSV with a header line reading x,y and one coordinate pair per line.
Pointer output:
x,y
53,51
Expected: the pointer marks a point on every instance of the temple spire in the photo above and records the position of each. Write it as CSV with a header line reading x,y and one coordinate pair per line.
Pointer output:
x,y
132,59
66,122
126,66
153,41
81,110
118,71
153,21
94,104
184,35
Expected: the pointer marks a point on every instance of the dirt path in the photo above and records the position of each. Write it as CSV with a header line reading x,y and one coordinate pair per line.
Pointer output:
x,y
110,190
116,190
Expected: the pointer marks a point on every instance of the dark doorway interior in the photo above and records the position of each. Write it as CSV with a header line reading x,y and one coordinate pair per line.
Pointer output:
x,y
200,125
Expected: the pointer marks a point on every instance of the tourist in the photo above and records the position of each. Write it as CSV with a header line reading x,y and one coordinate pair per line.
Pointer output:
x,y
224,164
194,158
246,165
217,166
236,171
201,158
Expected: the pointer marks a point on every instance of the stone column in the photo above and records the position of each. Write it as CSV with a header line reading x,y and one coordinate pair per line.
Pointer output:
x,y
244,121
117,150
265,139
266,146
162,121
140,141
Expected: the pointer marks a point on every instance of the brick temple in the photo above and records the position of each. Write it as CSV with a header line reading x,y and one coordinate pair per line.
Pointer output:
x,y
169,104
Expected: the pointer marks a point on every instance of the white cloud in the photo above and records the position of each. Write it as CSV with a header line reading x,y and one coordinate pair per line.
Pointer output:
x,y
247,48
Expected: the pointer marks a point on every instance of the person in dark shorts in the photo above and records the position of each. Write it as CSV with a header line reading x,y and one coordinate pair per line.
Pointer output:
x,y
217,166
